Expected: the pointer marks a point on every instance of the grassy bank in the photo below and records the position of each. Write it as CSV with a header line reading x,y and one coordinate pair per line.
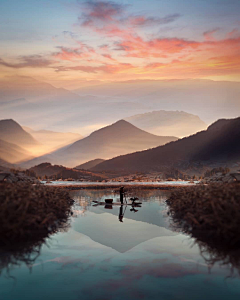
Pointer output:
x,y
209,213
29,213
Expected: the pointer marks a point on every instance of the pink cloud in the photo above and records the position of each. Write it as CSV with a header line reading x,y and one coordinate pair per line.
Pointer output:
x,y
148,21
82,51
100,11
29,61
208,35
105,68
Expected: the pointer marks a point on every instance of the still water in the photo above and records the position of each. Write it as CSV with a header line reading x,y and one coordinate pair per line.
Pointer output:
x,y
101,258
113,183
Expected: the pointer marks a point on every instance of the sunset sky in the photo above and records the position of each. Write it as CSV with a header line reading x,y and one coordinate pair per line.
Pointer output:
x,y
72,43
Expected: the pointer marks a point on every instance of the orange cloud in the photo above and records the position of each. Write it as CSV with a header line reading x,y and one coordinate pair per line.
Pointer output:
x,y
127,53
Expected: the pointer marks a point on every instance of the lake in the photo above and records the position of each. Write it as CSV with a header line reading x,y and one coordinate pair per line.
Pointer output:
x,y
99,257
113,183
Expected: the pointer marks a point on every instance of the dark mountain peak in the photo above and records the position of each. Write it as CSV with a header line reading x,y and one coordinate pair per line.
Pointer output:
x,y
9,124
9,121
117,127
219,144
221,123
12,132
116,139
217,125
121,122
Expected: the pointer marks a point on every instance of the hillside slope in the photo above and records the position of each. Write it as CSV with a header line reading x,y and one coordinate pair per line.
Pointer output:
x,y
12,153
52,140
116,139
60,172
4,165
90,164
12,132
220,143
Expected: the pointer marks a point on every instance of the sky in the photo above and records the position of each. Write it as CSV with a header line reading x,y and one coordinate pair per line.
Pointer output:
x,y
73,43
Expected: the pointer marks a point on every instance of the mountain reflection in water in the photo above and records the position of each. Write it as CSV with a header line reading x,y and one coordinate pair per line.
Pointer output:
x,y
139,258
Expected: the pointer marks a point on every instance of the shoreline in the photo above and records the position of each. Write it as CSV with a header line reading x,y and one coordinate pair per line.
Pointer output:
x,y
209,213
37,211
106,186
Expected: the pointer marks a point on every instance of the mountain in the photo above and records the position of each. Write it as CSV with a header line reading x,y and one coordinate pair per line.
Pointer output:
x,y
18,88
210,100
4,165
162,122
58,109
12,132
90,164
117,139
118,239
60,172
220,143
12,153
94,107
51,140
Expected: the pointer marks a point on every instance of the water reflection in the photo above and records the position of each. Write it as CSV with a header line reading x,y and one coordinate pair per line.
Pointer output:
x,y
122,227
100,257
28,250
213,251
121,213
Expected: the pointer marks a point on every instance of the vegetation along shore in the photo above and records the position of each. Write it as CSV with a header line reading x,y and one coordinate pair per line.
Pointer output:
x,y
208,212
28,212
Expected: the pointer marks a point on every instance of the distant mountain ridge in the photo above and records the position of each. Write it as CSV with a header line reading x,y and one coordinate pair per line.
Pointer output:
x,y
13,153
162,122
28,88
220,143
116,139
206,98
59,108
90,164
12,132
53,140
4,165
60,172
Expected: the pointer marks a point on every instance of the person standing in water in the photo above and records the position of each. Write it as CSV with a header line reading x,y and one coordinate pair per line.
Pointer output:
x,y
121,191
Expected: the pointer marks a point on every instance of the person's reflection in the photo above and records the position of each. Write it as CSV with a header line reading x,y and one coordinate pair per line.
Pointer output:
x,y
133,209
121,214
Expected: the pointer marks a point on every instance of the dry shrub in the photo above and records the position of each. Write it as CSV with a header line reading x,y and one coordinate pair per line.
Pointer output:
x,y
27,210
28,215
211,215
